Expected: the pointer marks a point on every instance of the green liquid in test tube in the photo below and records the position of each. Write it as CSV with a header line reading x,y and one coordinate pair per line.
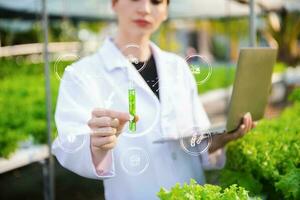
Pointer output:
x,y
131,98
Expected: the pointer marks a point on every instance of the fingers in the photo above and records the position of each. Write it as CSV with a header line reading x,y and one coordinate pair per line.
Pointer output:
x,y
115,122
105,126
99,141
103,143
241,131
252,124
248,124
245,127
136,118
247,121
97,122
104,131
121,116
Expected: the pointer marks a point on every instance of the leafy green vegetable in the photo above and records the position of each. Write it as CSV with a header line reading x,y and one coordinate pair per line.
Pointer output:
x,y
193,191
267,160
290,183
241,178
22,103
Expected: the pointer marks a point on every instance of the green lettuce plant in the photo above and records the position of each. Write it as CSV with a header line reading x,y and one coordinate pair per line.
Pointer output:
x,y
267,160
194,191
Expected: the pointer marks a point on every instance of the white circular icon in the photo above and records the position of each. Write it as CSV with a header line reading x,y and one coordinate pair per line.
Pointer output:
x,y
72,143
198,141
200,67
131,53
62,62
134,161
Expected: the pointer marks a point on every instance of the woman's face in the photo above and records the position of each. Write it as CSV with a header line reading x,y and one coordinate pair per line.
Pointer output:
x,y
140,17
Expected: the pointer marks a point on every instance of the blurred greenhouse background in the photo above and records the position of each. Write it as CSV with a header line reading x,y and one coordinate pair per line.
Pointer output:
x,y
214,29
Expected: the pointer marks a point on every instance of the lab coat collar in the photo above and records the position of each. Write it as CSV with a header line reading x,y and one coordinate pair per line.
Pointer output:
x,y
114,57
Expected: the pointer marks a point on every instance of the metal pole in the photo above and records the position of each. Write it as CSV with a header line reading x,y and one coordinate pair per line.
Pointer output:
x,y
49,194
45,173
252,20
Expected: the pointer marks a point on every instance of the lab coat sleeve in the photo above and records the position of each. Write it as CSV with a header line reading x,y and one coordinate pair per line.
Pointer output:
x,y
73,110
210,161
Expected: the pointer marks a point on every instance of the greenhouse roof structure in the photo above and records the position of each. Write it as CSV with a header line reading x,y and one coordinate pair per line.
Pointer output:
x,y
101,9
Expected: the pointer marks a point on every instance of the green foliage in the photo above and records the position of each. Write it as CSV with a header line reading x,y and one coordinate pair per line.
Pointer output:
x,y
241,178
295,95
11,36
267,159
59,30
232,28
65,31
22,103
9,141
221,77
95,27
194,191
165,37
219,47
279,67
290,183
19,66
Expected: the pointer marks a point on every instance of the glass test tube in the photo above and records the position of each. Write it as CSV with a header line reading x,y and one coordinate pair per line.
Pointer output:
x,y
132,108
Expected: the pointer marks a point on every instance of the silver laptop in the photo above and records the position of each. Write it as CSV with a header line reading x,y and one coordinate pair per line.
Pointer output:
x,y
250,90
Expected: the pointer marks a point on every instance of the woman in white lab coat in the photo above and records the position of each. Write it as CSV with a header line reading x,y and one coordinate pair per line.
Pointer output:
x,y
93,105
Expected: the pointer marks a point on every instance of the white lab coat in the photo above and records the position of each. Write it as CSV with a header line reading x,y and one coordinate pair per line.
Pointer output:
x,y
101,80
